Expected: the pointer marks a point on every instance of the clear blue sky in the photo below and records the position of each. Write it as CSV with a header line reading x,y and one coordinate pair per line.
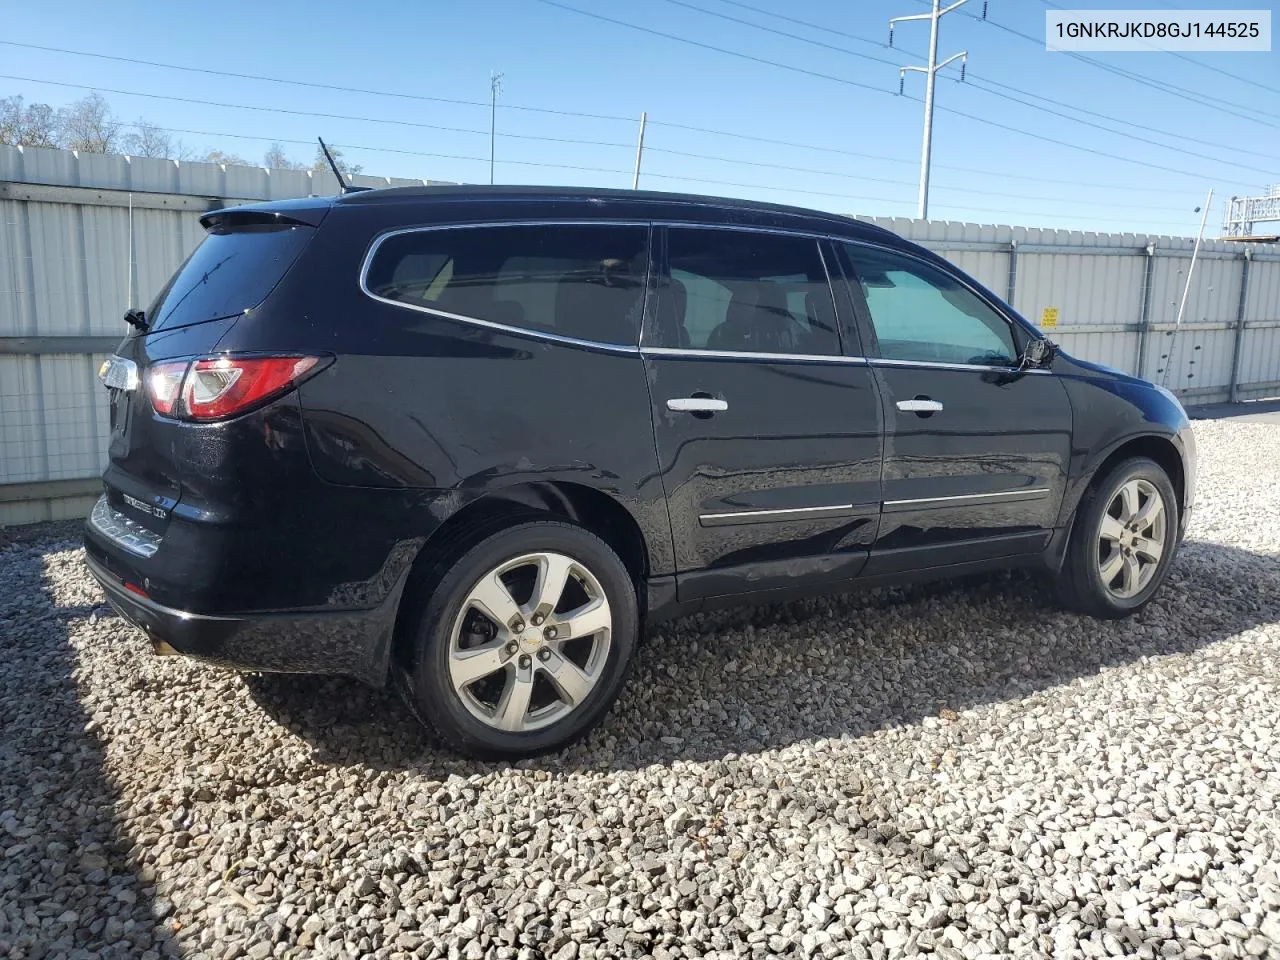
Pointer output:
x,y
868,139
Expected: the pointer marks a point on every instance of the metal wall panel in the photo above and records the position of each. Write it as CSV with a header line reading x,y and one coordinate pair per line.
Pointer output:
x,y
1264,292
22,440
1259,354
1116,349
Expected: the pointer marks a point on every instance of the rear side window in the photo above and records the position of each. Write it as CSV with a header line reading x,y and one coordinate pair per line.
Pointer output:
x,y
581,281
232,270
745,292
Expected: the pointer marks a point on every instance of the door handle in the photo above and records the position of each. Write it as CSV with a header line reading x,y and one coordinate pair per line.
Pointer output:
x,y
920,405
697,405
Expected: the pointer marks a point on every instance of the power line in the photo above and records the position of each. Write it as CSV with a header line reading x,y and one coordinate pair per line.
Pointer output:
x,y
1164,86
1058,103
711,131
396,150
782,33
662,176
1194,62
311,113
1217,104
1002,126
902,183
706,130
707,46
979,82
816,26
572,113
309,83
1131,136
671,176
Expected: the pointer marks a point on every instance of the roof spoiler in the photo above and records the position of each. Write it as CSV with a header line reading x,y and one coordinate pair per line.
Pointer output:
x,y
290,215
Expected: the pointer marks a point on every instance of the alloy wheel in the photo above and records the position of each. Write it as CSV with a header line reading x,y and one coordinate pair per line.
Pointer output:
x,y
530,642
1131,538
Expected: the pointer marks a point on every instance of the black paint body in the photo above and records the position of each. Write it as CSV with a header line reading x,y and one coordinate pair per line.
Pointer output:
x,y
305,518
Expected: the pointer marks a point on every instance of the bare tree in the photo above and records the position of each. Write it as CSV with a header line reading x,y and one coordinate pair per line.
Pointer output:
x,y
277,159
88,125
218,156
33,125
348,169
149,141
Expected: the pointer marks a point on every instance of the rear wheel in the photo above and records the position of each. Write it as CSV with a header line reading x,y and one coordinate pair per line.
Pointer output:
x,y
524,643
1125,537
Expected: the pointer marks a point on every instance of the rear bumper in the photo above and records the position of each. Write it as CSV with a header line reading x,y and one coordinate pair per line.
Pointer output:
x,y
354,643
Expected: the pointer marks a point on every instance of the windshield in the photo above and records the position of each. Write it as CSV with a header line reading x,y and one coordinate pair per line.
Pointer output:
x,y
232,270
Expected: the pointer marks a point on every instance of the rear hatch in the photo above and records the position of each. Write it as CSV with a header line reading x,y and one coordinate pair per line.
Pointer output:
x,y
245,253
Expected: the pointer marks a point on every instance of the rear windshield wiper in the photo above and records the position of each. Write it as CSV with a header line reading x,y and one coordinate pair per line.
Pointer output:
x,y
137,318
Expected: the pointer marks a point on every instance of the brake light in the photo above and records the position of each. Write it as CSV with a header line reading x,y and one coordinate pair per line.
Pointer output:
x,y
228,385
217,387
164,382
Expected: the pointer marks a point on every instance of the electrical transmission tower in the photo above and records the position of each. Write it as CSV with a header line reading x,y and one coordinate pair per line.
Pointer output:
x,y
931,76
1244,212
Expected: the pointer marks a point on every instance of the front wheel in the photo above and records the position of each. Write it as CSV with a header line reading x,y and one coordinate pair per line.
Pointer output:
x,y
1124,539
525,642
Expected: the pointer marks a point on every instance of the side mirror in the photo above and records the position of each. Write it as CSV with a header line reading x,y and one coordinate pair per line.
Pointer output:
x,y
1038,353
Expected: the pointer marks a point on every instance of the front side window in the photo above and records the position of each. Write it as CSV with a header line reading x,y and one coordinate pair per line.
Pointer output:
x,y
745,292
580,281
922,313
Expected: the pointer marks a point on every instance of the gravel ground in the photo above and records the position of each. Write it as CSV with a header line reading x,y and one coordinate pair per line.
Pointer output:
x,y
957,770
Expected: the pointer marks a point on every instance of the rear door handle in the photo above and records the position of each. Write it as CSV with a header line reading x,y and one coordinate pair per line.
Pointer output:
x,y
697,405
920,405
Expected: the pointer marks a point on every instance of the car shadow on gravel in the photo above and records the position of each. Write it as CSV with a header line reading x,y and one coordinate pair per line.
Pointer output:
x,y
759,678
69,884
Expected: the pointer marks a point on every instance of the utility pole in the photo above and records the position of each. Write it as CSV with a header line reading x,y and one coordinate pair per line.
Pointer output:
x,y
495,88
635,181
931,75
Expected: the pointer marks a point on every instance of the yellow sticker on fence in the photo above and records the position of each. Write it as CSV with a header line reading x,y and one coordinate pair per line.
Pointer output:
x,y
1049,318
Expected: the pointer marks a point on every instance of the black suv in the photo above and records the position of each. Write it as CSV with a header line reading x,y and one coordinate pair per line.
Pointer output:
x,y
471,439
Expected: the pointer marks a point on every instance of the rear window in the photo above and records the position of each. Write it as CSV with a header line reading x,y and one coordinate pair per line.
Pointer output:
x,y
580,281
230,272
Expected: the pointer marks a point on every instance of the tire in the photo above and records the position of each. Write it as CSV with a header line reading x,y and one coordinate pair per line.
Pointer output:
x,y
1096,551
494,676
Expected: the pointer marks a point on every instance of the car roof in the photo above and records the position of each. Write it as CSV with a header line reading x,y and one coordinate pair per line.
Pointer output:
x,y
581,201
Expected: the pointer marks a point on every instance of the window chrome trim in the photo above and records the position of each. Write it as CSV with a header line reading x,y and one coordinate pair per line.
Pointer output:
x,y
693,352
1031,493
746,228
380,239
944,365
784,513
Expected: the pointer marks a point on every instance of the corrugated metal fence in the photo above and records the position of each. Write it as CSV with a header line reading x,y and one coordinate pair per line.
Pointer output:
x,y
66,276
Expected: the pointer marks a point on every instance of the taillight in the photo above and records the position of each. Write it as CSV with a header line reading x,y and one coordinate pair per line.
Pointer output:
x,y
228,385
164,382
219,387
